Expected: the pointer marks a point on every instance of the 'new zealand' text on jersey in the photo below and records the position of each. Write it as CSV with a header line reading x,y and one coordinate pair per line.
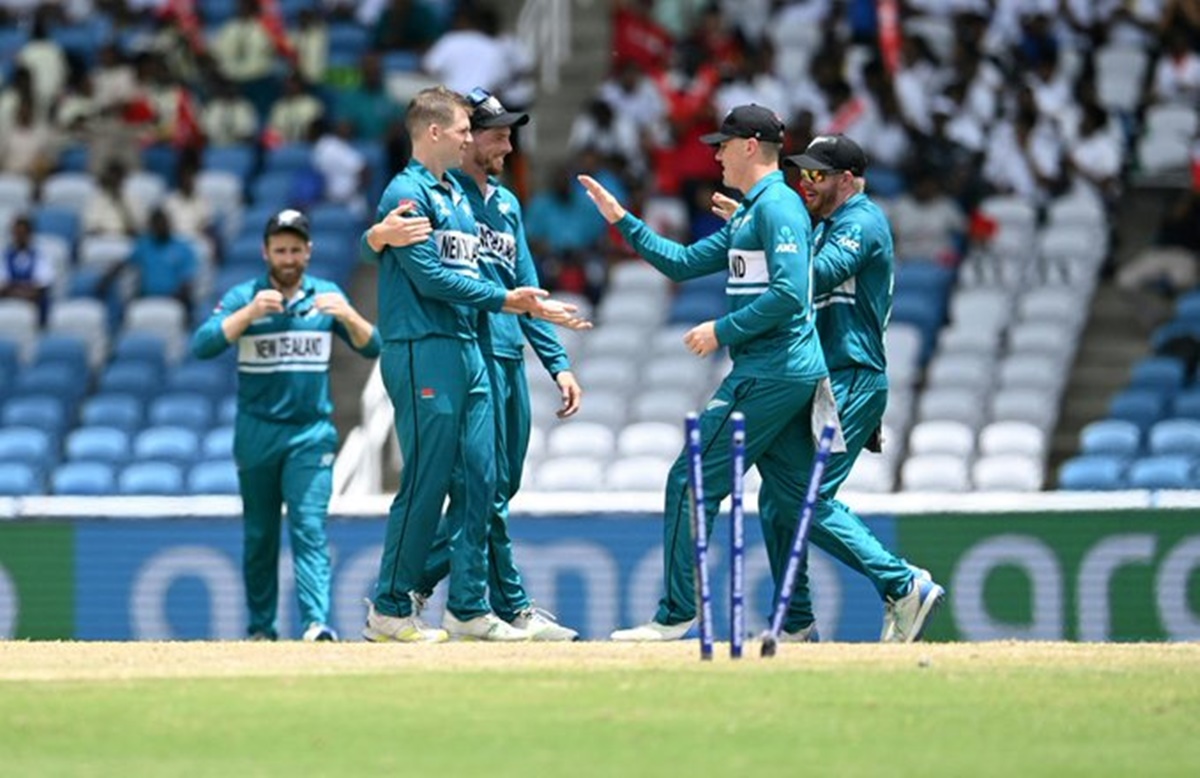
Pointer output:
x,y
853,271
765,249
505,260
432,287
283,358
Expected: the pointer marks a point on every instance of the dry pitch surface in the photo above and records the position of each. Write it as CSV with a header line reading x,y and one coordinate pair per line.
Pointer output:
x,y
59,661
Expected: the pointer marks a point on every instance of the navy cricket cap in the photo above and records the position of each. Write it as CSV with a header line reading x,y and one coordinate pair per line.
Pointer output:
x,y
831,152
487,111
747,121
288,220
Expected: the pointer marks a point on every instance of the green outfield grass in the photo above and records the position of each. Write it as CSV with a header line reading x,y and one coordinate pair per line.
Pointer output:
x,y
595,709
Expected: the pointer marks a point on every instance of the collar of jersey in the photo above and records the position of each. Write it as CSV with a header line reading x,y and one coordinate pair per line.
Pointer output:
x,y
306,285
756,190
426,174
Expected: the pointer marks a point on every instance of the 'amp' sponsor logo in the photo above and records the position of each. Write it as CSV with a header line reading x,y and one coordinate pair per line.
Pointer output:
x,y
497,245
847,242
786,241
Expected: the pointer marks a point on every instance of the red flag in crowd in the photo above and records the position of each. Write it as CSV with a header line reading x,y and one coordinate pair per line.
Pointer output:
x,y
271,17
186,131
888,12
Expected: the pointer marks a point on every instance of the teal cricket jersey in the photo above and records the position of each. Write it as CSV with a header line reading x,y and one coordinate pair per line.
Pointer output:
x,y
432,287
765,247
504,258
283,358
854,275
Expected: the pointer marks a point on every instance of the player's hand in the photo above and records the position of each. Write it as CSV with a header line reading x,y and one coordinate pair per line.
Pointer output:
x,y
572,394
610,209
701,340
399,230
723,206
266,302
333,304
523,299
562,314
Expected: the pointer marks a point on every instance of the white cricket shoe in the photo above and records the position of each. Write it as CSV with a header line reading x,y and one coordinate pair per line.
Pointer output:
x,y
319,633
652,632
889,612
543,626
911,612
400,629
488,627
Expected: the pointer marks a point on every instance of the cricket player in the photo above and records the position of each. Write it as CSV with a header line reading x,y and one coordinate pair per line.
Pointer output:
x,y
284,439
430,299
504,258
853,276
777,360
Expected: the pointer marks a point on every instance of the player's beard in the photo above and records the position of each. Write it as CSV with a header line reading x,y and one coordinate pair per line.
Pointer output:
x,y
287,277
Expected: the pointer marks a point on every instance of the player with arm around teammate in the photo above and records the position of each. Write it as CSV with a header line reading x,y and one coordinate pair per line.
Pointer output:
x,y
777,360
430,298
284,441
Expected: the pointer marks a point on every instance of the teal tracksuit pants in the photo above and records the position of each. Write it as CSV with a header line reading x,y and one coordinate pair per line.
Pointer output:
x,y
281,464
440,390
861,397
510,404
778,439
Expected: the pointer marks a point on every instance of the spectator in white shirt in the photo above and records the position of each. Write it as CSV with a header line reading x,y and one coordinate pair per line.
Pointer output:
x,y
228,118
107,211
294,112
470,55
46,62
1094,157
610,134
926,223
29,147
1177,74
190,214
341,165
630,93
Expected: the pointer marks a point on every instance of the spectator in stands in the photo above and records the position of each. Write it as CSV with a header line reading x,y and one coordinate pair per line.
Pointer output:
x,y
245,54
601,128
29,147
1172,265
638,37
1094,156
1024,155
46,61
165,263
114,78
631,94
76,106
311,42
293,113
190,214
470,54
342,167
107,211
408,25
927,224
18,90
688,88
563,234
1177,74
26,273
369,107
752,80
228,118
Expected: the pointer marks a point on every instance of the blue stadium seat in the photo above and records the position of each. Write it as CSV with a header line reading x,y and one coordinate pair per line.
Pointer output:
x,y
1187,404
1114,437
1092,473
245,254
349,37
273,187
696,308
885,182
1143,407
68,350
217,476
1162,472
18,479
925,312
331,218
1174,329
182,409
141,347
137,378
921,276
163,159
84,479
10,357
123,411
210,378
227,409
1176,436
400,61
56,220
98,444
217,12
238,159
172,444
288,158
73,159
1187,309
44,413
1164,375
218,443
151,478
78,41
29,445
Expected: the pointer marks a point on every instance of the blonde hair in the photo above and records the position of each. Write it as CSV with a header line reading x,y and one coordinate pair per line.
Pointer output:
x,y
431,106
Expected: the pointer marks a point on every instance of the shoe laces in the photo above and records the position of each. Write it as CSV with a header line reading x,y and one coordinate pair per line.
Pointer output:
x,y
419,602
533,612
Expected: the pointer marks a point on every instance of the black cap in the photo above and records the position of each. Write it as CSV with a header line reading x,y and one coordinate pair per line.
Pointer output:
x,y
831,152
488,112
747,121
288,220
